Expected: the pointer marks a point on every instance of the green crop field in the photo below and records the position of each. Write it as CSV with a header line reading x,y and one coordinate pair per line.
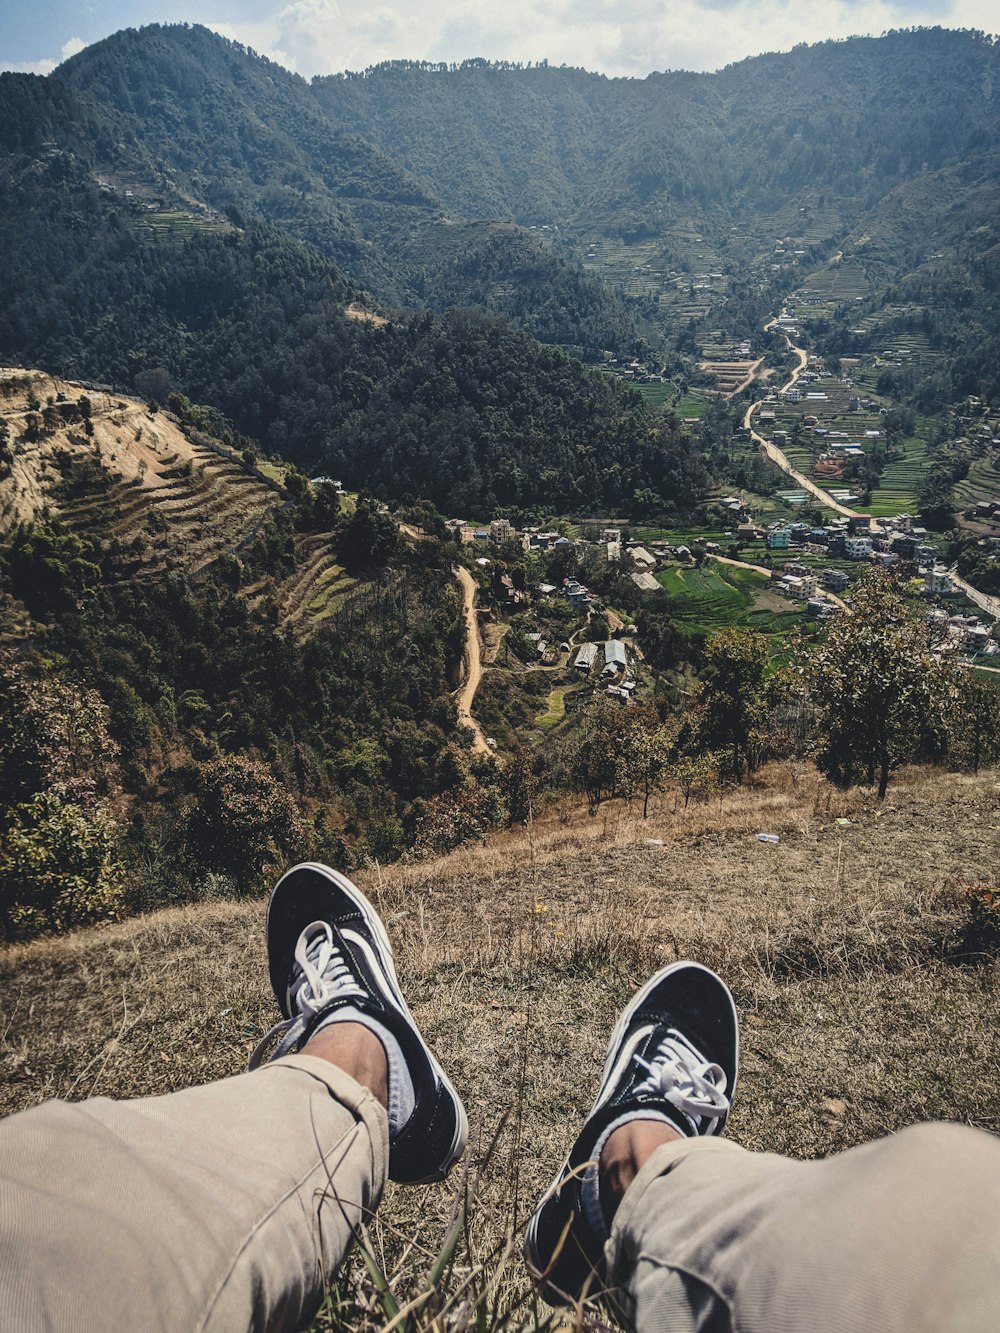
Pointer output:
x,y
693,404
555,707
657,395
716,596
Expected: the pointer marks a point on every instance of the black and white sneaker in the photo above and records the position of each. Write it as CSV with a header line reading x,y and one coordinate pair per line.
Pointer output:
x,y
327,949
673,1055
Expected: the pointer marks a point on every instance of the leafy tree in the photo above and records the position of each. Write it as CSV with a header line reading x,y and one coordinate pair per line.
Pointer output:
x,y
369,539
59,830
50,569
975,723
729,715
696,775
882,696
620,751
59,865
244,823
53,736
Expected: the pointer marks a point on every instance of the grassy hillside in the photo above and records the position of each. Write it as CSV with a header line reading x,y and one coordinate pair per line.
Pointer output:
x,y
858,1015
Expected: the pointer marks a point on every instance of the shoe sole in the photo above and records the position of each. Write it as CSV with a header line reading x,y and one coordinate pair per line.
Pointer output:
x,y
614,1047
383,950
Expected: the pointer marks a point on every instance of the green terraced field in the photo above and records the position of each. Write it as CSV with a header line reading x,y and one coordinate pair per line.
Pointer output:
x,y
657,395
982,483
716,596
176,222
901,478
692,405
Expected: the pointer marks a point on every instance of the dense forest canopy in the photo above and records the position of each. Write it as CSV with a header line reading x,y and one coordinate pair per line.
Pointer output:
x,y
461,409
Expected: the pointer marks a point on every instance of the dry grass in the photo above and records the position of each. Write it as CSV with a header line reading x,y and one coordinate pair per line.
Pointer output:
x,y
838,943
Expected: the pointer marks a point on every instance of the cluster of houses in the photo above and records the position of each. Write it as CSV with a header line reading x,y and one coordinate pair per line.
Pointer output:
x,y
881,541
615,678
965,635
501,531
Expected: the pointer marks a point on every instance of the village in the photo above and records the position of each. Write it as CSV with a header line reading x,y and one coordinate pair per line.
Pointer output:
x,y
559,621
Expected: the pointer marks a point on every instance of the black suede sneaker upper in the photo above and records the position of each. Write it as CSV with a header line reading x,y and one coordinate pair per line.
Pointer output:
x,y
674,1052
327,948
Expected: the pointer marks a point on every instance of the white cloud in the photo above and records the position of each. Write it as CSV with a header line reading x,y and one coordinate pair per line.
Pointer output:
x,y
623,37
615,36
32,67
47,65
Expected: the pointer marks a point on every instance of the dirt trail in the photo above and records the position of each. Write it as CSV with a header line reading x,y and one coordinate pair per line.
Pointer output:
x,y
473,665
748,379
775,454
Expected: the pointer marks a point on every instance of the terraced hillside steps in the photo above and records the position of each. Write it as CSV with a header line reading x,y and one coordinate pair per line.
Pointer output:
x,y
311,593
178,503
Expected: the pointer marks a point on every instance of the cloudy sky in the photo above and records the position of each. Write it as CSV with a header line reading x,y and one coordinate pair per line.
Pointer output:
x,y
629,37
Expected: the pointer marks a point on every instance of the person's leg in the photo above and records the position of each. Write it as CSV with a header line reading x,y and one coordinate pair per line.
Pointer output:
x,y
223,1206
899,1236
670,1071
228,1205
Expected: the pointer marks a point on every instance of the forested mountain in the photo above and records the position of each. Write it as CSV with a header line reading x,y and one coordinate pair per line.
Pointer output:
x,y
137,175
184,113
461,409
849,119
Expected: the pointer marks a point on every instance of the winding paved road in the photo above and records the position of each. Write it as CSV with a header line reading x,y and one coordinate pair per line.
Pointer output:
x,y
991,605
772,450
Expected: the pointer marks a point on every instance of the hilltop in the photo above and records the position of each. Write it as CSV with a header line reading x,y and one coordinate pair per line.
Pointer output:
x,y
108,465
842,943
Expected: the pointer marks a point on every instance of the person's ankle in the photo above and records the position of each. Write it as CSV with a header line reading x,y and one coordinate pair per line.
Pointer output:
x,y
623,1155
357,1051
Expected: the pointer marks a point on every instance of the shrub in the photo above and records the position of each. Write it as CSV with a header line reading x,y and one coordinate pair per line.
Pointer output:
x,y
456,817
59,866
245,823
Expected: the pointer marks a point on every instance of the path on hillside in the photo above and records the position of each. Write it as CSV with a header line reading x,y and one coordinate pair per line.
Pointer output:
x,y
473,665
991,605
748,379
772,450
763,569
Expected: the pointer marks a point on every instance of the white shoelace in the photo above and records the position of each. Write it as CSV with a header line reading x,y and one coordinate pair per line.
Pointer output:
x,y
681,1076
320,976
322,972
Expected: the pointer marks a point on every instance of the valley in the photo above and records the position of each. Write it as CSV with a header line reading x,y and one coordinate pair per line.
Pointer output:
x,y
381,372
568,505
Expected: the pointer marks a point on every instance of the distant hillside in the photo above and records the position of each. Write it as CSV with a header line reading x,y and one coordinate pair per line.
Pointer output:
x,y
848,120
461,409
183,114
881,148
676,210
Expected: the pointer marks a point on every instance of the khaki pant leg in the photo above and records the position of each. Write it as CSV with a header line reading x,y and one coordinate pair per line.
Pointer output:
x,y
221,1207
898,1236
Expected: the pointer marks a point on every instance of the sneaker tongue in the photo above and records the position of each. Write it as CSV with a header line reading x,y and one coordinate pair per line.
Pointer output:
x,y
320,974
